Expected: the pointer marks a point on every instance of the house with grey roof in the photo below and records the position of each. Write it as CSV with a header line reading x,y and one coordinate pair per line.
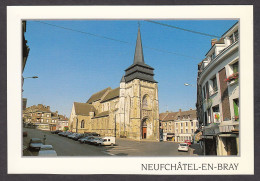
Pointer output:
x,y
179,126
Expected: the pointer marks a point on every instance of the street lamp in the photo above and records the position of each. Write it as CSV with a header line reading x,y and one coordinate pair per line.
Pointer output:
x,y
34,77
186,84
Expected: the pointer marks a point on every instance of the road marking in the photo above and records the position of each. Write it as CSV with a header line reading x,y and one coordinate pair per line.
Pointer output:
x,y
108,153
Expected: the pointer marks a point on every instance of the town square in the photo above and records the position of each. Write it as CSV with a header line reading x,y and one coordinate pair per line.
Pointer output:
x,y
88,90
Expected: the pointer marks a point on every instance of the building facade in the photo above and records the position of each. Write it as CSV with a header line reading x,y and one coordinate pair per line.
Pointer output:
x,y
41,117
131,110
179,126
218,95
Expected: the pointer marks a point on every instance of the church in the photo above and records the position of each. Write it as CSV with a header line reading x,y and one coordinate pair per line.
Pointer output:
x,y
128,111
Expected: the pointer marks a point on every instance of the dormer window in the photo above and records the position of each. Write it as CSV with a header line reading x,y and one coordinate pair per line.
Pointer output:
x,y
234,37
213,55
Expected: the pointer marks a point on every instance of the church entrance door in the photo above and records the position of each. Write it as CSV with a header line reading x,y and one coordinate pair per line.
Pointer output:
x,y
144,129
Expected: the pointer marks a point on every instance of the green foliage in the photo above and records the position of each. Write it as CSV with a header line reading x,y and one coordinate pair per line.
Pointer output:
x,y
66,128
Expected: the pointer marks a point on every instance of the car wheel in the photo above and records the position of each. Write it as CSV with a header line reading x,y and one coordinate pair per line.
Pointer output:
x,y
99,144
112,144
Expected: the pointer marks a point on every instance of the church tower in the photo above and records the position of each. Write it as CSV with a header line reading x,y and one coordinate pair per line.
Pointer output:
x,y
139,109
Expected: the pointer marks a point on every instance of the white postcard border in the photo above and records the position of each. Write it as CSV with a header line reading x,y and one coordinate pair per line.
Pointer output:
x,y
126,165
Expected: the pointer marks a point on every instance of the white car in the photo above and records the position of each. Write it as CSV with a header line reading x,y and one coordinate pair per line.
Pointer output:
x,y
106,141
35,143
47,150
183,147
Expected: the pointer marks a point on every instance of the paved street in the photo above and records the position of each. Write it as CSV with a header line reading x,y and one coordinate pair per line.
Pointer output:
x,y
123,147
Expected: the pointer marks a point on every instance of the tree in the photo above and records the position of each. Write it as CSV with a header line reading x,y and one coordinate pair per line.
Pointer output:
x,y
66,128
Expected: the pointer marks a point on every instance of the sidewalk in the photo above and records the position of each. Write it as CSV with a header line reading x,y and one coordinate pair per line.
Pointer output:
x,y
142,140
196,149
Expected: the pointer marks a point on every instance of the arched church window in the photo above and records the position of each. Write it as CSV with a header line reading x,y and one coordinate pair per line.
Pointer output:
x,y
82,124
145,102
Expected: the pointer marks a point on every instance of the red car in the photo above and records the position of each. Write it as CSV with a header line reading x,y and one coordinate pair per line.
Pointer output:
x,y
188,142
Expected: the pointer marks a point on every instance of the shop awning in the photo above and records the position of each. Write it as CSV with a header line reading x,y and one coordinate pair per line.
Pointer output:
x,y
227,135
206,137
170,135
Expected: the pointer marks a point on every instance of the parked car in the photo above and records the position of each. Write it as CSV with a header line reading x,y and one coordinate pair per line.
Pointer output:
x,y
35,143
183,147
66,134
93,141
47,150
89,139
62,133
94,134
71,135
188,142
83,139
56,131
106,141
78,136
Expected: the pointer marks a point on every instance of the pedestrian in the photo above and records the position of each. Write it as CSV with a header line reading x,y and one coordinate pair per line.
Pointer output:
x,y
44,139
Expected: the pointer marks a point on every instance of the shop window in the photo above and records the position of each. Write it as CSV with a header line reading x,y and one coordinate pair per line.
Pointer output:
x,y
216,114
209,118
205,118
235,67
236,109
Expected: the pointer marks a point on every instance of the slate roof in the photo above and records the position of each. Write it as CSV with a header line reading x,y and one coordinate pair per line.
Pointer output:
x,y
112,94
192,113
123,79
170,116
139,70
102,114
98,95
83,108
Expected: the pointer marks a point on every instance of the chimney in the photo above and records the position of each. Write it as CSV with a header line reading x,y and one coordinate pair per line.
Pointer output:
x,y
213,41
48,107
190,109
179,110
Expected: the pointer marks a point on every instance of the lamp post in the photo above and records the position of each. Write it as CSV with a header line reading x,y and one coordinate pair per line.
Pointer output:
x,y
33,77
186,84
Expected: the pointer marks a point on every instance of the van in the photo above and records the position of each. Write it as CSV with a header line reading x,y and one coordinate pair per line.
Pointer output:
x,y
105,141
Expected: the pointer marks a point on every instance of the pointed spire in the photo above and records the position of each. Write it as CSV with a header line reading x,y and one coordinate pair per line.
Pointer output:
x,y
139,58
123,79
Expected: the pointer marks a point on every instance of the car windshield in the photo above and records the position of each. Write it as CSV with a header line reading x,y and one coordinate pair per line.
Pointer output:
x,y
183,144
46,148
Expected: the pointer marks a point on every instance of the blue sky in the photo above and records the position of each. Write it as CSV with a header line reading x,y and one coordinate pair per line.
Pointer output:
x,y
71,66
